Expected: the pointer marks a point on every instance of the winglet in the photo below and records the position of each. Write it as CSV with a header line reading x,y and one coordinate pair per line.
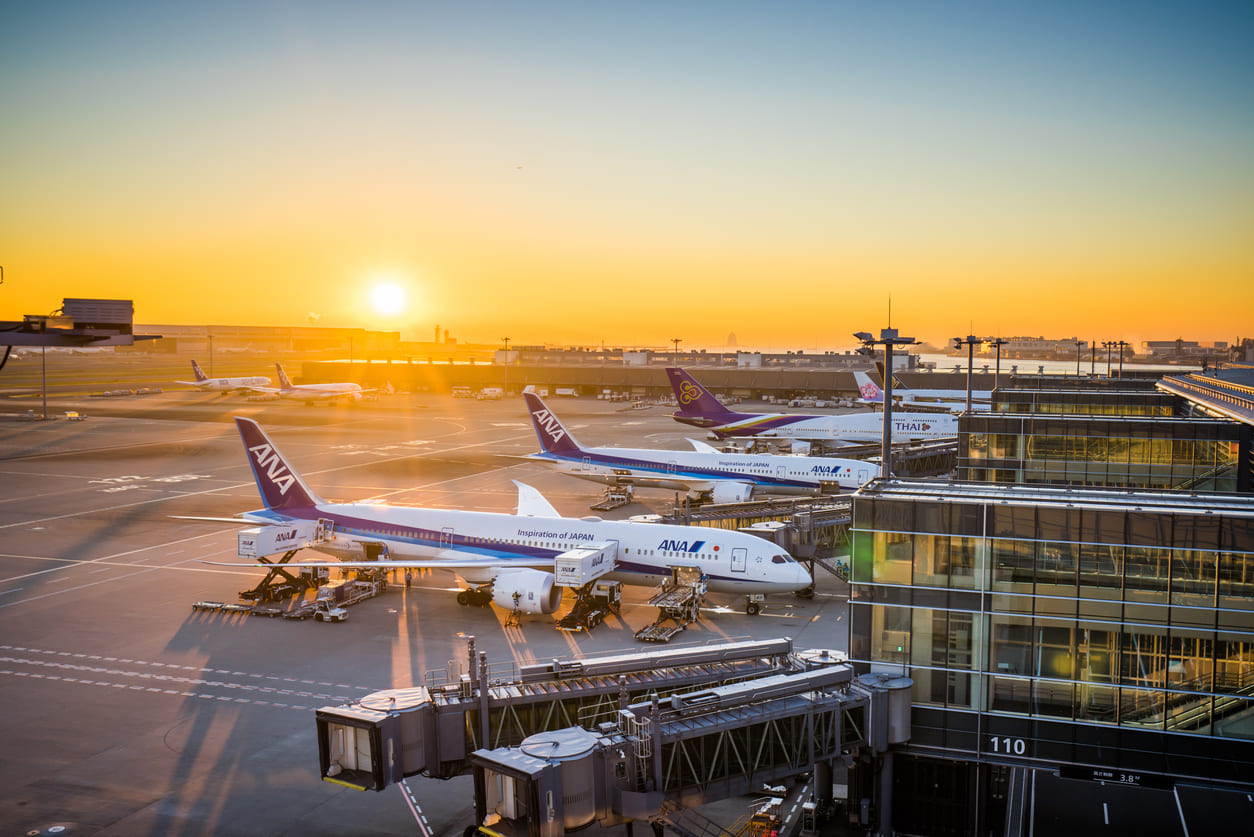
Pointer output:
x,y
280,486
531,503
554,437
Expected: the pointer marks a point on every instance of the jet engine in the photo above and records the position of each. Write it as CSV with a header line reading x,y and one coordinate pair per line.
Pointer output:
x,y
731,492
531,591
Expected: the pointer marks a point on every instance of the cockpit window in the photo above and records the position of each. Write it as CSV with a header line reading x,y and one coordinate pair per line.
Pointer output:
x,y
782,559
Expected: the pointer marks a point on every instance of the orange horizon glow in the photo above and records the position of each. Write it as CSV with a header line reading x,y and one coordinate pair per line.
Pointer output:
x,y
545,174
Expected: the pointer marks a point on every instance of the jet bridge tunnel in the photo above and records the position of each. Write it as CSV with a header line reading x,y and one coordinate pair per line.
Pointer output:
x,y
556,746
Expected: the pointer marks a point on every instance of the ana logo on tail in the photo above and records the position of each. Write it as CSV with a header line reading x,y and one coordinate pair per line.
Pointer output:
x,y
270,463
550,424
688,392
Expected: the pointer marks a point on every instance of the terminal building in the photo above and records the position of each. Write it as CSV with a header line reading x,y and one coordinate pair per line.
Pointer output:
x,y
1077,612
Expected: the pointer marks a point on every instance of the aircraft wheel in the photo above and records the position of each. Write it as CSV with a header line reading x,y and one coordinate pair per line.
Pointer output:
x,y
482,598
317,617
753,608
463,597
806,593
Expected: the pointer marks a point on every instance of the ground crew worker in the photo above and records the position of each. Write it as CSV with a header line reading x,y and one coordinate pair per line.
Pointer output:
x,y
409,576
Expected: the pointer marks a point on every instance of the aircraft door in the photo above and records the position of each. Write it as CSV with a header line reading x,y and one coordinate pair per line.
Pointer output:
x,y
446,537
587,463
781,471
740,559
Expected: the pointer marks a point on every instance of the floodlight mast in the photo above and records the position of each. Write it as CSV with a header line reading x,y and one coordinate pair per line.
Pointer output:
x,y
888,338
998,343
970,342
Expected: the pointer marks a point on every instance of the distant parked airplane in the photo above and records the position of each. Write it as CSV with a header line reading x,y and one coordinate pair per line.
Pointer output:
x,y
208,384
508,559
952,400
705,471
310,393
699,407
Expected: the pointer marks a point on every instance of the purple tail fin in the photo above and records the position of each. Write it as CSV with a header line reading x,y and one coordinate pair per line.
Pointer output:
x,y
554,437
280,486
198,372
695,401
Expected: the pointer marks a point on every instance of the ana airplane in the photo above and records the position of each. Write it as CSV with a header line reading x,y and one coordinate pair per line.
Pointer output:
x,y
309,393
951,400
699,407
705,472
208,384
507,559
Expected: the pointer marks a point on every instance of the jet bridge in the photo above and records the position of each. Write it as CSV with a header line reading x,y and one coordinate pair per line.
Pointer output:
x,y
662,755
432,729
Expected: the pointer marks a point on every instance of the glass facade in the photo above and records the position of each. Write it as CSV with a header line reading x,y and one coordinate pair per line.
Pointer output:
x,y
1086,402
1124,610
1126,452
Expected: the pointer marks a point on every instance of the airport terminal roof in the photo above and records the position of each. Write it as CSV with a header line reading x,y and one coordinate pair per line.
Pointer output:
x,y
1226,391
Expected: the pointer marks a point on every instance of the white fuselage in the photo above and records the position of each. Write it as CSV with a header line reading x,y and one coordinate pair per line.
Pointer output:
x,y
852,428
734,562
229,384
700,471
320,392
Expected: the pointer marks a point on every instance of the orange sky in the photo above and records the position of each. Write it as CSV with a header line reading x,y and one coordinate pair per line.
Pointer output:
x,y
571,175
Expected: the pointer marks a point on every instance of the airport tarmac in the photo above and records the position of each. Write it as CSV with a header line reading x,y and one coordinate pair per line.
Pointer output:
x,y
126,712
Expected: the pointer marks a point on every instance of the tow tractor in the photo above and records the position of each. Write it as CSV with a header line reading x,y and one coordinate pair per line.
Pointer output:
x,y
326,611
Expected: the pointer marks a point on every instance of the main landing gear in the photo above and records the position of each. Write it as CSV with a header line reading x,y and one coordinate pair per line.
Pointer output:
x,y
477,596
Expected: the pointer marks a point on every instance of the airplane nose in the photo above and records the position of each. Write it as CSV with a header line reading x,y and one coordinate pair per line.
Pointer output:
x,y
804,578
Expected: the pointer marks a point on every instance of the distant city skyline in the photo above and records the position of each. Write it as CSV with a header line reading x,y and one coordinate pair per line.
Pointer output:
x,y
576,173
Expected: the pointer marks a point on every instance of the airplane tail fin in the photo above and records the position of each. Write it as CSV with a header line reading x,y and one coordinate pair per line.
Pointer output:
x,y
284,382
554,437
199,373
868,389
280,486
695,401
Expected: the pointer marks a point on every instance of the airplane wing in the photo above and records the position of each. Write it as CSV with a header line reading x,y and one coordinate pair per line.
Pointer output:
x,y
702,447
263,390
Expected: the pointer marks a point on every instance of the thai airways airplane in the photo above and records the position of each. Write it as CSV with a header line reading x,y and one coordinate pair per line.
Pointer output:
x,y
507,559
699,407
705,472
953,400
208,384
309,393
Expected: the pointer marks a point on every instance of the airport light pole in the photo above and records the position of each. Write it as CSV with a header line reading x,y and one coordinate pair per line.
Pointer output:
x,y
970,342
998,343
675,356
505,340
1079,344
888,338
210,336
1108,345
1121,345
